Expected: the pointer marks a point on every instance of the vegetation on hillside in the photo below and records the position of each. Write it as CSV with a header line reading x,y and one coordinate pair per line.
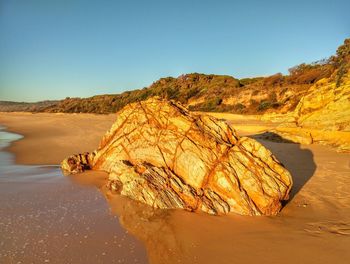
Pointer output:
x,y
220,93
8,106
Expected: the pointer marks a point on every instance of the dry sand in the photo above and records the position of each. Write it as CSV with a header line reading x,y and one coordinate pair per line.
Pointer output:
x,y
49,138
313,227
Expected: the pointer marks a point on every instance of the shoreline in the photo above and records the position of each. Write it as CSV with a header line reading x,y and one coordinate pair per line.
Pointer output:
x,y
8,147
49,138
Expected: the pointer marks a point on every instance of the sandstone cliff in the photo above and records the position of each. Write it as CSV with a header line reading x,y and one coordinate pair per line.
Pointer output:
x,y
159,153
322,115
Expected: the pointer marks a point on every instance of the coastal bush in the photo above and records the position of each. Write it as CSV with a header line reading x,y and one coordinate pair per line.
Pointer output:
x,y
209,105
274,79
264,105
239,106
247,81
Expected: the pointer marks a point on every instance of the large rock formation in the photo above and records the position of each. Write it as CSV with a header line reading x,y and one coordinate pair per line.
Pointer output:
x,y
159,153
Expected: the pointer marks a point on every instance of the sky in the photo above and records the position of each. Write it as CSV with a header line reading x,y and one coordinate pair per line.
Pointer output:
x,y
57,49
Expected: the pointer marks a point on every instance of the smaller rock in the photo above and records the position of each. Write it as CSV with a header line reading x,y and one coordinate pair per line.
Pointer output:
x,y
77,163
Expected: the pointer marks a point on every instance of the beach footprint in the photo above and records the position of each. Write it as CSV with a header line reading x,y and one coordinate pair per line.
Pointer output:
x,y
328,227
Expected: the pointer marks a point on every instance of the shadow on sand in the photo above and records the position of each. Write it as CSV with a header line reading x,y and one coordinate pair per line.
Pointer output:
x,y
300,162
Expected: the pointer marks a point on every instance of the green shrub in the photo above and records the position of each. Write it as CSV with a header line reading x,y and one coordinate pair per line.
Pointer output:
x,y
264,105
209,105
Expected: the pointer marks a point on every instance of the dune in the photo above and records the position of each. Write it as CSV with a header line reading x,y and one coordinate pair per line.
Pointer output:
x,y
313,227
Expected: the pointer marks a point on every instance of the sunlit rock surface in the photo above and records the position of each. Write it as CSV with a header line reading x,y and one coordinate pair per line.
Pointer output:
x,y
159,153
322,116
326,106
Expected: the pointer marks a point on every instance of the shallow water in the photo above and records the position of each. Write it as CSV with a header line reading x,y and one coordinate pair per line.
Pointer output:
x,y
47,218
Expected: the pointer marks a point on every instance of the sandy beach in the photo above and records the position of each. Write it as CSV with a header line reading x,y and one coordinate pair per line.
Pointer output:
x,y
313,227
49,138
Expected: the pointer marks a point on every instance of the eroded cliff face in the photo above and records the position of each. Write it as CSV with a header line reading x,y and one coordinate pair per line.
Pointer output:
x,y
325,106
159,153
322,116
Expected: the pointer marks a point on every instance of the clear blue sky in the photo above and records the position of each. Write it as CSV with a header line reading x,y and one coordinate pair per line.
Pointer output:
x,y
53,49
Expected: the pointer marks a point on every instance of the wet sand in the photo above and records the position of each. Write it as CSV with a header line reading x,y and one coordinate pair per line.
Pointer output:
x,y
313,227
46,218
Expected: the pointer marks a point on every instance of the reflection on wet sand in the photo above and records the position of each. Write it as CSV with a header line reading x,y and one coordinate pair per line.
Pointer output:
x,y
149,225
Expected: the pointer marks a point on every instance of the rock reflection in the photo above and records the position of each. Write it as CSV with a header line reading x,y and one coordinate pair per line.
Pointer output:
x,y
152,226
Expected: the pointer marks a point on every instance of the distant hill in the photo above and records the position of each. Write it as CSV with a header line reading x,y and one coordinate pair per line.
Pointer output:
x,y
8,106
221,93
